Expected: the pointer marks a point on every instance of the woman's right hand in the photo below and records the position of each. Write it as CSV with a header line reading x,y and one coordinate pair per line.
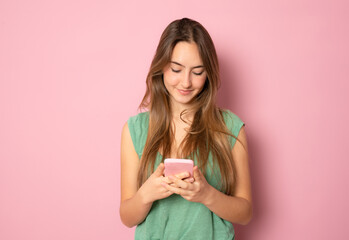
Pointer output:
x,y
152,189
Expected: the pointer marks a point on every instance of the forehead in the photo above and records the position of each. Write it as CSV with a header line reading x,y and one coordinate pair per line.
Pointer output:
x,y
187,54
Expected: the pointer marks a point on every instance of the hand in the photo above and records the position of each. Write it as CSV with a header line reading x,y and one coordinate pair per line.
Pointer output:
x,y
152,188
197,191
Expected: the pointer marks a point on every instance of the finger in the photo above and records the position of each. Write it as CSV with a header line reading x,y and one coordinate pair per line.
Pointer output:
x,y
197,173
182,175
173,189
166,180
189,180
160,170
165,190
166,193
180,183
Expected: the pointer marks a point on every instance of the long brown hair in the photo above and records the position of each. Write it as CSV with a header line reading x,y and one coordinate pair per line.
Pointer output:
x,y
208,133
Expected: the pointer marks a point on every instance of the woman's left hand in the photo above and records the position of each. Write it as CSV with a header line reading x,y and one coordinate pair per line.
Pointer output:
x,y
197,191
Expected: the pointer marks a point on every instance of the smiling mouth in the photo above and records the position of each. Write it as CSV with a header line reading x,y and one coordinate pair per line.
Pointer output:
x,y
184,92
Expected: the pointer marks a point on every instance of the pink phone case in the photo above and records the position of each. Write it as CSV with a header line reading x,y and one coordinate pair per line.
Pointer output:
x,y
174,166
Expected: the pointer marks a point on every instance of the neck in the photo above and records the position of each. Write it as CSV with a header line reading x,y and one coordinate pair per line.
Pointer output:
x,y
177,109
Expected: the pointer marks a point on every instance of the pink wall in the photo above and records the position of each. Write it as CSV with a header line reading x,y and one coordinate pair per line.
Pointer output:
x,y
72,72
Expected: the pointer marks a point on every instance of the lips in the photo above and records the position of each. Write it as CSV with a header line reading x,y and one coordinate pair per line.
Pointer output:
x,y
184,92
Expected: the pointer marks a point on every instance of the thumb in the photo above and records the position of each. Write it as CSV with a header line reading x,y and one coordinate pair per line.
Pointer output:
x,y
197,174
160,170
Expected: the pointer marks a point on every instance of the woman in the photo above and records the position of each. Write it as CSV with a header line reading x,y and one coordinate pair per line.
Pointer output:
x,y
183,121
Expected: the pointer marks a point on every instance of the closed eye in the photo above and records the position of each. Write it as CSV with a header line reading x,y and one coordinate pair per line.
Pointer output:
x,y
176,71
198,74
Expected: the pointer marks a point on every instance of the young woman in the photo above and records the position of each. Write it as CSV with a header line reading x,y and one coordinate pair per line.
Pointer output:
x,y
183,121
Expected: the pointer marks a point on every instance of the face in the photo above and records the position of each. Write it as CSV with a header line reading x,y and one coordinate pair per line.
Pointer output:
x,y
185,75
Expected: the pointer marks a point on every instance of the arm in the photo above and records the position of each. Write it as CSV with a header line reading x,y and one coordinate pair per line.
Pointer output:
x,y
132,209
237,208
136,203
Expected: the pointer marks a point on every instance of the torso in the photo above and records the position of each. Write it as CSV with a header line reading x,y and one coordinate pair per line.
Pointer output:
x,y
162,220
181,129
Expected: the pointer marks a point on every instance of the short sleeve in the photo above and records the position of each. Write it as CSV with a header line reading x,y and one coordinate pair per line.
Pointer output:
x,y
234,124
138,127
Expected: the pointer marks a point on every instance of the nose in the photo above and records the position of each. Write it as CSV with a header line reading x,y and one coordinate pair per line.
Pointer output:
x,y
186,82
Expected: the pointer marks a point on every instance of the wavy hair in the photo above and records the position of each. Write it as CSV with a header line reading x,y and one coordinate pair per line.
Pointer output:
x,y
208,133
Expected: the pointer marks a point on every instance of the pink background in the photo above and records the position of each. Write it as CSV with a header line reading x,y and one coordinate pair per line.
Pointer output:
x,y
72,72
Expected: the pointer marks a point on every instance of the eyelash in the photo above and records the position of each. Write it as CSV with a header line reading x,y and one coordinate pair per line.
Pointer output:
x,y
177,71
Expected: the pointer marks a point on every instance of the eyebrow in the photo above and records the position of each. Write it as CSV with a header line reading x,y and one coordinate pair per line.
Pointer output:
x,y
200,66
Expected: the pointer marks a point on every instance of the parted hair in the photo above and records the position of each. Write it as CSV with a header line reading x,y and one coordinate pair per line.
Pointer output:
x,y
208,133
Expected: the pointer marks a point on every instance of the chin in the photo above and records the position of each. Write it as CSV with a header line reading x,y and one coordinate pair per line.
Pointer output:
x,y
183,101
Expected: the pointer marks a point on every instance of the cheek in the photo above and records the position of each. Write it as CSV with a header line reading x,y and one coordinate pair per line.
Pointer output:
x,y
200,81
170,79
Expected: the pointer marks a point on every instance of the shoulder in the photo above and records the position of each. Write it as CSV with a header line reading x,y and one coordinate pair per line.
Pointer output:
x,y
140,118
233,122
138,122
138,128
231,119
230,116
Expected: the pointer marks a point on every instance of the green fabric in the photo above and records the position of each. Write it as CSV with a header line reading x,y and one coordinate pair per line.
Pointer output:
x,y
174,217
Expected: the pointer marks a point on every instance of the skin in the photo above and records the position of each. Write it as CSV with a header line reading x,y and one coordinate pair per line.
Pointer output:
x,y
184,79
184,76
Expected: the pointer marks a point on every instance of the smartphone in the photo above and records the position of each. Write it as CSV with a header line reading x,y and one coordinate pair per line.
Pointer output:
x,y
174,166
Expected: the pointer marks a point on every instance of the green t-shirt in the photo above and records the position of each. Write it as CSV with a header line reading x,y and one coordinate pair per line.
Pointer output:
x,y
174,217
